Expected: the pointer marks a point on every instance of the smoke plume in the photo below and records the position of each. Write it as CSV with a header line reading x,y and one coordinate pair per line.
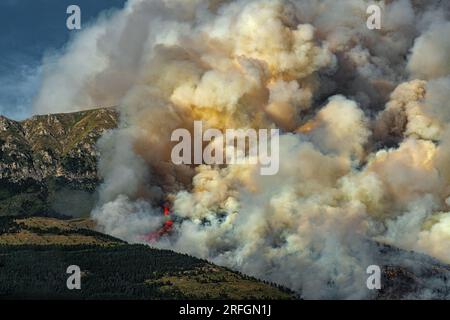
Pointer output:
x,y
364,114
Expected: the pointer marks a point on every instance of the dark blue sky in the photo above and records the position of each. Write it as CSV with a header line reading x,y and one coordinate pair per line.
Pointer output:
x,y
29,29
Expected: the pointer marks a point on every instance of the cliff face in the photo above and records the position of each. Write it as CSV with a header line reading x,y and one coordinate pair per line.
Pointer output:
x,y
50,160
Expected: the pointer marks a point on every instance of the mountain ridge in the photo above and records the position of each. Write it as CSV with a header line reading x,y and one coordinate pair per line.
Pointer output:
x,y
48,158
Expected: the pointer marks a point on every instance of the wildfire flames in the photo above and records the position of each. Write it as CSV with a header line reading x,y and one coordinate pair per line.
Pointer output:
x,y
153,237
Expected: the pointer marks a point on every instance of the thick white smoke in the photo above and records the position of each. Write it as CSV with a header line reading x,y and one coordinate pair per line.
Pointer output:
x,y
364,153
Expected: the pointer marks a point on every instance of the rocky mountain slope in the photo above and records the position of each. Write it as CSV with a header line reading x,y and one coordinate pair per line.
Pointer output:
x,y
49,161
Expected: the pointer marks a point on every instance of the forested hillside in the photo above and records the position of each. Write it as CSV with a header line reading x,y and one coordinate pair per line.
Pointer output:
x,y
35,253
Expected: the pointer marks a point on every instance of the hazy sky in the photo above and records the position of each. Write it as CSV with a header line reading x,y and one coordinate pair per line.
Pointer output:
x,y
30,30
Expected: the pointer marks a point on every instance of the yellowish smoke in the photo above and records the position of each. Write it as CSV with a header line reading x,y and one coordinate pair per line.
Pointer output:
x,y
364,151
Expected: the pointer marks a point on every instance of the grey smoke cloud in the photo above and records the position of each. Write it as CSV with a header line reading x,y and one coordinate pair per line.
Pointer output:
x,y
364,152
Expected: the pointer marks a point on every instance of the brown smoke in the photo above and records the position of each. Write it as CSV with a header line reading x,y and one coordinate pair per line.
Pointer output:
x,y
364,150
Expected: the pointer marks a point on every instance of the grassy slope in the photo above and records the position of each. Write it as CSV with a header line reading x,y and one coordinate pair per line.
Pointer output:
x,y
50,231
